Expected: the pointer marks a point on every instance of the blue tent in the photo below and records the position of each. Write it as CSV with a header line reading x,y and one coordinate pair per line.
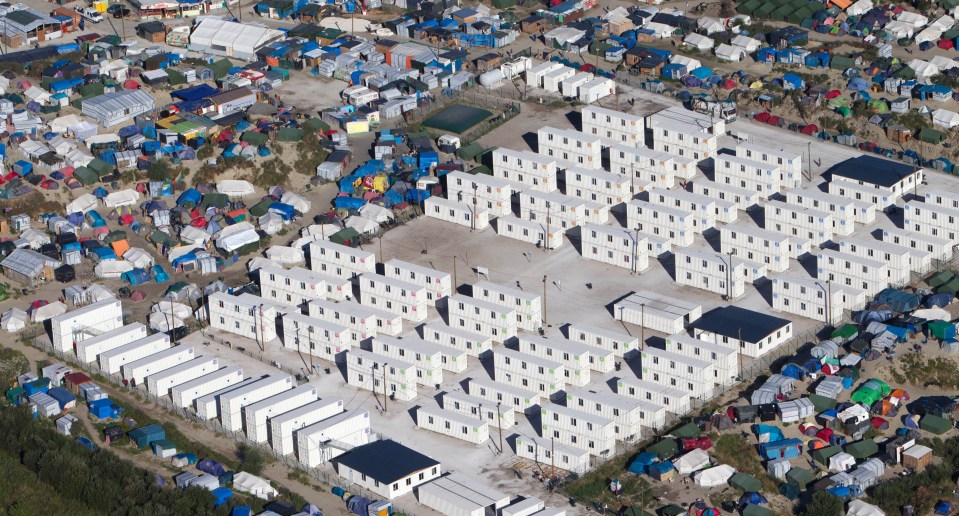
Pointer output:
x,y
641,462
22,168
159,275
100,193
136,277
184,259
771,433
943,507
793,371
221,496
104,409
283,210
752,499
192,196
660,469
104,253
348,203
898,300
781,449
858,84
939,300
211,467
792,81
241,510
868,316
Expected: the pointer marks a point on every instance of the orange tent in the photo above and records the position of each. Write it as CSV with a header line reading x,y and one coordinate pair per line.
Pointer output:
x,y
120,247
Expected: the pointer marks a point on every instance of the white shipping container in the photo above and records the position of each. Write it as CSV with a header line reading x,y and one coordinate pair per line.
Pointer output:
x,y
619,344
675,224
573,355
871,194
256,415
485,192
748,174
291,287
615,245
208,406
495,321
805,296
646,168
186,393
426,356
525,167
581,149
88,349
711,271
724,358
940,248
533,232
552,453
367,370
84,323
797,221
552,209
567,425
456,212
757,245
112,361
896,257
472,344
521,370
931,219
534,76
552,80
316,337
473,406
438,284
703,209
528,306
683,139
395,296
673,400
246,315
459,495
339,260
569,87
135,372
743,199
232,403
332,437
629,415
789,162
606,188
459,426
518,398
656,311
284,425
863,273
624,128
162,382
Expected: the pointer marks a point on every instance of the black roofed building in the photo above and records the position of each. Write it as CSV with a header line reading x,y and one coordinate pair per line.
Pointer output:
x,y
387,468
888,176
753,333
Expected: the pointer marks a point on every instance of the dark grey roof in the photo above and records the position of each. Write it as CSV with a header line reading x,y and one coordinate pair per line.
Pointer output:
x,y
385,461
733,322
872,170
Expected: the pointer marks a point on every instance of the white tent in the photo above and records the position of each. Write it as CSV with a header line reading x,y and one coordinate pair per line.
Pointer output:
x,y
376,213
33,238
928,34
945,118
748,44
270,223
285,255
48,311
362,225
841,461
82,204
691,63
34,149
164,322
915,19
933,314
230,38
943,63
717,476
660,30
710,25
899,29
98,139
699,42
259,262
13,320
923,69
693,461
178,310
127,197
236,236
859,8
296,201
302,242
256,486
37,94
4,84
730,53
861,508
857,412
138,257
235,188
64,123
96,292
321,231
112,268
194,235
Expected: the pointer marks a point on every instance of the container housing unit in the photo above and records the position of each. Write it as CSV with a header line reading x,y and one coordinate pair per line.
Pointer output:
x,y
284,425
743,199
113,361
677,225
656,311
456,212
852,271
362,321
84,323
724,358
757,245
704,210
459,426
426,356
895,257
368,371
607,188
473,406
293,287
574,356
339,260
595,434
459,495
518,369
619,344
327,439
552,209
186,393
315,337
682,139
517,398
530,231
843,210
394,295
788,162
472,344
581,149
711,271
649,168
615,245
528,306
932,220
233,402
492,320
136,372
245,315
753,333
798,221
747,174
676,401
531,169
697,376
87,350
941,248
805,296
438,284
256,416
554,454
161,383
629,415
482,191
877,197
624,128
208,406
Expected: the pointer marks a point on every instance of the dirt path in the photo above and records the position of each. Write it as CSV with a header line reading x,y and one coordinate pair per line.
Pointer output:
x,y
275,471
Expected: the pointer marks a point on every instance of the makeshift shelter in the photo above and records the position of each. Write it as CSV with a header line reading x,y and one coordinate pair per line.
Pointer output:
x,y
254,485
935,424
862,449
745,483
695,460
664,449
715,476
799,477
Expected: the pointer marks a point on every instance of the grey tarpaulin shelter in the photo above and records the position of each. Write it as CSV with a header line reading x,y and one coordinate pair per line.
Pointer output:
x,y
118,107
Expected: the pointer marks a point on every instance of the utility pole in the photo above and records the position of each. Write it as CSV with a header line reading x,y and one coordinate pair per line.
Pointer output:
x,y
829,302
809,161
455,283
381,247
729,286
473,217
499,418
635,250
552,453
642,325
739,352
385,397
544,300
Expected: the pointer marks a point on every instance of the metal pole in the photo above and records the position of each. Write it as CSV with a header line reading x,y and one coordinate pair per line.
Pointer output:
x,y
552,453
172,329
455,283
642,325
729,285
385,397
381,247
739,352
499,419
473,217
829,302
635,250
544,299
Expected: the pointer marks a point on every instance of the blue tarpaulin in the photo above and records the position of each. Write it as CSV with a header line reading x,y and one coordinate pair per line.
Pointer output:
x,y
641,462
191,196
283,210
104,253
137,276
348,203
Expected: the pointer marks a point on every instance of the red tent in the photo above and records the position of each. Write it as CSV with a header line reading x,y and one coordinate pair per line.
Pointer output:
x,y
130,84
809,129
137,295
67,171
198,222
774,120
946,44
126,219
762,117
824,434
879,423
831,94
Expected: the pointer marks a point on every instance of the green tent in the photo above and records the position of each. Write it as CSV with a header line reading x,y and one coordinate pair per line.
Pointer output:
x,y
90,90
935,424
862,449
259,209
215,199
344,236
939,329
482,169
672,510
160,237
102,168
879,105
844,112
254,138
469,152
870,392
940,278
821,403
664,449
905,73
687,430
799,477
745,483
221,68
115,236
176,78
86,176
822,454
842,63
930,135
756,510
504,4
845,332
951,287
316,125
289,134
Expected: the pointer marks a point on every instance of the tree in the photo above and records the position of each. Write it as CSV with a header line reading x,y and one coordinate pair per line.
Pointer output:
x,y
252,459
824,504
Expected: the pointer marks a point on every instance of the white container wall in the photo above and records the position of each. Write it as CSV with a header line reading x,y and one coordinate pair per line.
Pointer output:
x,y
800,295
941,248
797,221
256,415
896,258
675,224
426,356
596,434
615,245
135,372
456,212
473,406
330,438
724,358
711,271
339,260
871,276
490,193
84,323
879,198
360,320
208,406
316,337
393,295
552,209
369,371
554,454
292,287
246,315
88,349
475,315
789,162
438,284
645,167
683,140
607,188
581,149
517,398
704,209
536,171
696,376
931,220
528,306
472,344
747,174
574,356
459,426
162,382
672,399
186,393
743,199
232,403
619,344
843,210
529,231
656,311
757,245
112,361
283,425
629,415
528,372
624,128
